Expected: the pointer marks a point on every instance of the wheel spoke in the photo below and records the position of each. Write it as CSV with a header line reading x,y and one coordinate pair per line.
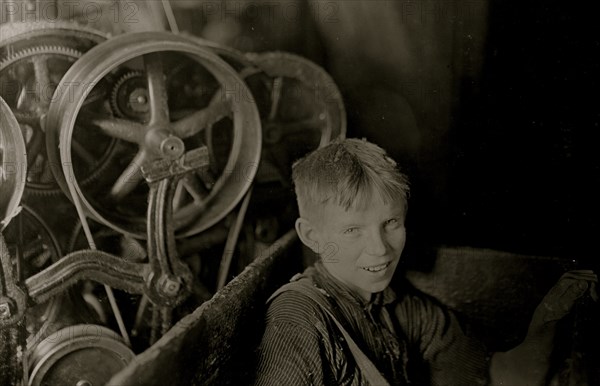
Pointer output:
x,y
207,177
178,196
191,185
194,187
120,128
83,153
42,77
46,174
34,146
157,90
180,114
27,118
218,109
130,178
36,254
276,96
247,72
22,97
94,96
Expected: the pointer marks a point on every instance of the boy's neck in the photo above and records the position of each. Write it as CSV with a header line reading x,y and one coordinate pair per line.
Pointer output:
x,y
365,296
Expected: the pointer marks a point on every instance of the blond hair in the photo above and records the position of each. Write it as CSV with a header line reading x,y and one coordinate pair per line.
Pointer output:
x,y
346,173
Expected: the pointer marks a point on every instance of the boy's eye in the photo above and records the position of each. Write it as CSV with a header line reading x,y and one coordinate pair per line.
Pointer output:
x,y
351,231
392,223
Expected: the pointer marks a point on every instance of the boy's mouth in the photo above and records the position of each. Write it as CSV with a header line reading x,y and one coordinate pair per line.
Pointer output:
x,y
377,268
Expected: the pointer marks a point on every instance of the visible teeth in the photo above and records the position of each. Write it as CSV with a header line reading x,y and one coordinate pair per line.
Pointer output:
x,y
376,268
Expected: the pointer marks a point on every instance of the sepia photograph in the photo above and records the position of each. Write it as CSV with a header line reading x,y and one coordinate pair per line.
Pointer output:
x,y
299,192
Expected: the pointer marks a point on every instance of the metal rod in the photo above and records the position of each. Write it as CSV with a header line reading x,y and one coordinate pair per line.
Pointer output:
x,y
170,16
231,242
90,239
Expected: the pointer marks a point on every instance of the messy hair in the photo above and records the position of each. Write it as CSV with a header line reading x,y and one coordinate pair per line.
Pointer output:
x,y
346,173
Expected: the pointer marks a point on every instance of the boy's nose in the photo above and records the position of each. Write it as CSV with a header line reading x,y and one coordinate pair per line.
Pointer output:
x,y
376,244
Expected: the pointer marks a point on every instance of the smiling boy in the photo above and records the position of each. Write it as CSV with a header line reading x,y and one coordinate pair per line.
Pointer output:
x,y
352,213
340,323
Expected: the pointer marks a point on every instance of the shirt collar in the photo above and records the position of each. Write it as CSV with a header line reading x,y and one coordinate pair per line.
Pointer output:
x,y
335,287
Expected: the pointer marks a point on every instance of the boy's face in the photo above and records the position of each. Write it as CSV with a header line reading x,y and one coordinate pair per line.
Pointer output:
x,y
361,247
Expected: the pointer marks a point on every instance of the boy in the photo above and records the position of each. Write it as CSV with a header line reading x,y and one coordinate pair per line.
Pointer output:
x,y
339,323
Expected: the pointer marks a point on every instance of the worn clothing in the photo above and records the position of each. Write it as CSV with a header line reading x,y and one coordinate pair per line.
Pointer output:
x,y
408,336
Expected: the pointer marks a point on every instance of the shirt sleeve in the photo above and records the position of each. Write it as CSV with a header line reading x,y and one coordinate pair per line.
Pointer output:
x,y
449,357
291,351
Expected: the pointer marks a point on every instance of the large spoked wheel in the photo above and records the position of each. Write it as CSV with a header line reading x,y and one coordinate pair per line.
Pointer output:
x,y
159,118
13,166
33,58
300,105
304,100
301,110
37,73
299,98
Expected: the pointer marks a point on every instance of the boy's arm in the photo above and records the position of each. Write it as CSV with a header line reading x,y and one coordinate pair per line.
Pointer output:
x,y
291,351
449,357
289,356
528,363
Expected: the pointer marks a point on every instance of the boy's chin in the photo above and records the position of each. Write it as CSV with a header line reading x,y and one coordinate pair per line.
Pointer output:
x,y
378,287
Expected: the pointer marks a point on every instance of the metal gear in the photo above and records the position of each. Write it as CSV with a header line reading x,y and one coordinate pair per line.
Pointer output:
x,y
39,50
37,71
129,96
16,36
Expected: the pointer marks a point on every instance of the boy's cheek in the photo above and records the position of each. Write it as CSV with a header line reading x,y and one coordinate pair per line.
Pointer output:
x,y
331,253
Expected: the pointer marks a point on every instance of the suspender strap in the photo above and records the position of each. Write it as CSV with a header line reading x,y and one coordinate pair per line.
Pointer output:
x,y
367,368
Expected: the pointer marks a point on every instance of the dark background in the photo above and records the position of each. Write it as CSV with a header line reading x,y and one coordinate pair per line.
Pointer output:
x,y
525,143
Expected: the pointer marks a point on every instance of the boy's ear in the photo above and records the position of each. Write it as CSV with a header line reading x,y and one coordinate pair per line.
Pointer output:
x,y
308,234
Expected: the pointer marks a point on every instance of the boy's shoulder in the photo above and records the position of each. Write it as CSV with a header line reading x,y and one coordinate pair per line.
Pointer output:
x,y
300,282
300,299
300,286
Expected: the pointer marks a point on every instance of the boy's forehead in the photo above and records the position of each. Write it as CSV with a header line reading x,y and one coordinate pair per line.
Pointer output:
x,y
331,212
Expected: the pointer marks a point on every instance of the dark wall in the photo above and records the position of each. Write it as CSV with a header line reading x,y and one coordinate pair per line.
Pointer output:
x,y
525,143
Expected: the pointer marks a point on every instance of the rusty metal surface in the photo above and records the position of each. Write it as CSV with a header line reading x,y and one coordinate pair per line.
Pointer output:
x,y
87,264
211,345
